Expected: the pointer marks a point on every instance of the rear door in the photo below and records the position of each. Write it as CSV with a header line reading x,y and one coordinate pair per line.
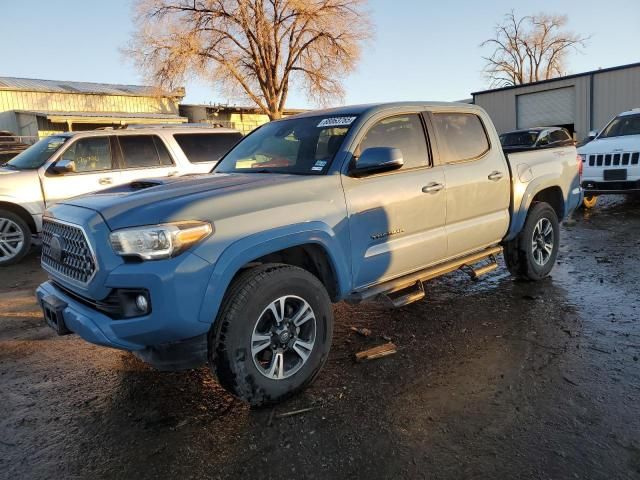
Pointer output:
x,y
396,219
477,179
143,156
96,169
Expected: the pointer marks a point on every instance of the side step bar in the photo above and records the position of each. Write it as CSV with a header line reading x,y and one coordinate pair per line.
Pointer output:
x,y
408,289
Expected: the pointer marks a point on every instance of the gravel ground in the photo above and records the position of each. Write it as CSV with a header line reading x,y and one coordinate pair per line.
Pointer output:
x,y
494,379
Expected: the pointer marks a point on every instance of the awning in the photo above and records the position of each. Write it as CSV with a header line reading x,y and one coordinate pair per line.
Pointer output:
x,y
118,118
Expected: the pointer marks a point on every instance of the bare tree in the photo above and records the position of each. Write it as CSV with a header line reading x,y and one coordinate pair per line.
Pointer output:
x,y
530,49
252,48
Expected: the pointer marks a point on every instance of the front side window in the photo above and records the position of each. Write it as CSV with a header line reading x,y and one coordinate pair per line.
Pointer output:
x,y
206,147
36,155
559,136
301,146
543,140
404,132
143,151
91,154
463,135
622,126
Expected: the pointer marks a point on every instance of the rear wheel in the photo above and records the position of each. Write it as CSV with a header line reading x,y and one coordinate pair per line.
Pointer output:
x,y
272,335
590,202
15,238
533,253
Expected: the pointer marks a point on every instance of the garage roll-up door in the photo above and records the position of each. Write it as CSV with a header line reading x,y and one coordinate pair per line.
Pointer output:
x,y
551,107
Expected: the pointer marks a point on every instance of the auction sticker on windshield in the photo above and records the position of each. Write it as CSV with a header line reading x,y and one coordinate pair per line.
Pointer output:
x,y
336,121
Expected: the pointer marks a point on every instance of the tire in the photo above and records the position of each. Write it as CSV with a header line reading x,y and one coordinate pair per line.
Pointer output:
x,y
522,259
15,238
238,352
590,202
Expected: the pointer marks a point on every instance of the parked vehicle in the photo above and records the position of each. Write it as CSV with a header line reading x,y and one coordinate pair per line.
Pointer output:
x,y
535,138
240,267
10,146
75,163
612,159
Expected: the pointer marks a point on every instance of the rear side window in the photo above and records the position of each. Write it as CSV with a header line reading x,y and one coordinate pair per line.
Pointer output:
x,y
463,135
91,154
206,147
404,132
141,151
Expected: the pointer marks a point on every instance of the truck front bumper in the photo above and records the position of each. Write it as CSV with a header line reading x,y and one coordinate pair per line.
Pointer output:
x,y
601,187
175,287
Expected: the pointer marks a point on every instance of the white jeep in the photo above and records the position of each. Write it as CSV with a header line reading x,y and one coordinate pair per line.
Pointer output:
x,y
612,159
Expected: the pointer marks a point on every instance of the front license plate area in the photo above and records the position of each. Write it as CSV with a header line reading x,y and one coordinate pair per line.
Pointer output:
x,y
52,308
617,174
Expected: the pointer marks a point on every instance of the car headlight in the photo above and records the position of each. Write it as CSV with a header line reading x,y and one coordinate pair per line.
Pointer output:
x,y
159,241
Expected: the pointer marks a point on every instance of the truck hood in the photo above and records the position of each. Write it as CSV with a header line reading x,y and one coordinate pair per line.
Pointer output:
x,y
151,201
627,143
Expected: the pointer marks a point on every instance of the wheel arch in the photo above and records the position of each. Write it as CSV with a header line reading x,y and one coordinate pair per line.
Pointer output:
x,y
22,212
317,251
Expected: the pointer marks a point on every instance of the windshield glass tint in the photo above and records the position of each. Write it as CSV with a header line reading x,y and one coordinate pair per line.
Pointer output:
x,y
36,155
303,146
621,126
518,139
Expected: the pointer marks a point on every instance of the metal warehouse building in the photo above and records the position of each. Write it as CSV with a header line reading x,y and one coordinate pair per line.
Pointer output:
x,y
36,108
580,103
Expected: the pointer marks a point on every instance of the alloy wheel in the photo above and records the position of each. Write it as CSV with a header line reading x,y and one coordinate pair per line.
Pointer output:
x,y
542,241
11,239
283,337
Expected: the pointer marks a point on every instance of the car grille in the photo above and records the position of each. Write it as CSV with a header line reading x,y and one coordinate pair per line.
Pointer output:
x,y
614,159
65,251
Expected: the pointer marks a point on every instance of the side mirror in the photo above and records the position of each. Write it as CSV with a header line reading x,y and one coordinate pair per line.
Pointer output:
x,y
377,160
64,166
593,134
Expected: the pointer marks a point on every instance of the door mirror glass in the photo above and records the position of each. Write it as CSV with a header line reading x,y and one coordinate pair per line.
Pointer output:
x,y
64,166
593,134
377,160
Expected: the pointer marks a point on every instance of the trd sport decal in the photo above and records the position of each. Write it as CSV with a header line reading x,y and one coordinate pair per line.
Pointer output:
x,y
377,236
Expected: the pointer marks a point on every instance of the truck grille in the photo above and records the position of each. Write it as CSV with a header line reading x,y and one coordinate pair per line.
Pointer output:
x,y
65,251
614,159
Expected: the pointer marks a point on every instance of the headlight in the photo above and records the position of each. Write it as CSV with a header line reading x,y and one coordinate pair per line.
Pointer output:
x,y
159,241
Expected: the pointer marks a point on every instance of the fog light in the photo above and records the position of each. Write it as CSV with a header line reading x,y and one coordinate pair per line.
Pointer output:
x,y
142,303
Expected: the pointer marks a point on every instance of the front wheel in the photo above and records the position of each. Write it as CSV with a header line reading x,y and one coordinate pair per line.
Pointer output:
x,y
273,333
533,253
590,202
15,238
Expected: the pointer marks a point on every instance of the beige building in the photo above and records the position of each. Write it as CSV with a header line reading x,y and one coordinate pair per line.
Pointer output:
x,y
36,108
580,103
243,119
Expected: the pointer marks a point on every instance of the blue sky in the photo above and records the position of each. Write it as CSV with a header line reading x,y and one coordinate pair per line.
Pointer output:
x,y
422,49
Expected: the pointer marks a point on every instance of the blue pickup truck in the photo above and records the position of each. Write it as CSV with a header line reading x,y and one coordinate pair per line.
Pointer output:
x,y
239,267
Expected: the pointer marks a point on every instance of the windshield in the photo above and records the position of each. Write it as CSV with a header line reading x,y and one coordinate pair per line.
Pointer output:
x,y
36,155
302,146
621,126
518,139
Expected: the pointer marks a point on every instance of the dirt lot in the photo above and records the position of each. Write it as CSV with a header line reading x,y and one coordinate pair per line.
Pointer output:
x,y
496,379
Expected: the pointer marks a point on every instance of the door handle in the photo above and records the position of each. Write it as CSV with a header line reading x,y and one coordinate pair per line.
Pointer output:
x,y
173,174
495,176
433,187
105,181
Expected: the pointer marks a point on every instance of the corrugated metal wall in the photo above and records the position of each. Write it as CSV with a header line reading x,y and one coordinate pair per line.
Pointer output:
x,y
71,102
614,91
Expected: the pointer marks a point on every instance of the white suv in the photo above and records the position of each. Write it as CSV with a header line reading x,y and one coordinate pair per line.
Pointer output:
x,y
612,159
70,164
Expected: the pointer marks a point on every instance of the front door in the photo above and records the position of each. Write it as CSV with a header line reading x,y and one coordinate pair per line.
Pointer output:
x,y
94,170
396,219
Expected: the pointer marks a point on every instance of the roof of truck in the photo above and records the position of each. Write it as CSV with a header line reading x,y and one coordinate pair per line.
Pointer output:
x,y
376,107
